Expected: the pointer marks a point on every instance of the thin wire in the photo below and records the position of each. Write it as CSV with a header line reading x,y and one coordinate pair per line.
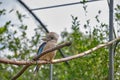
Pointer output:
x,y
62,5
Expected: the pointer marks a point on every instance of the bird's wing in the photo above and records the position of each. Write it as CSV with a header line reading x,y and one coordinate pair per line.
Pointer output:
x,y
41,48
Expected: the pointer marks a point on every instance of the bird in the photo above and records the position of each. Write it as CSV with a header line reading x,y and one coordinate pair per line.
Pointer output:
x,y
50,41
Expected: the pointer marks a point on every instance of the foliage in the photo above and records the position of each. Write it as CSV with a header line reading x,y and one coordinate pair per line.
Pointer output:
x,y
90,67
117,17
117,49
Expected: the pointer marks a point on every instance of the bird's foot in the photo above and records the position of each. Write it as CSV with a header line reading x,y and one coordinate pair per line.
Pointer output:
x,y
47,61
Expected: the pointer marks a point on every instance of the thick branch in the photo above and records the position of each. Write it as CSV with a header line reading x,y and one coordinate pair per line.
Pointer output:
x,y
7,61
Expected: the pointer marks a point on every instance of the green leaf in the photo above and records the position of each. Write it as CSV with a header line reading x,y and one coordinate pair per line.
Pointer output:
x,y
3,47
17,41
2,12
24,27
19,15
118,16
3,29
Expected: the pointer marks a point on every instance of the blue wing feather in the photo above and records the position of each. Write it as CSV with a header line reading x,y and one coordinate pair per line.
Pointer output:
x,y
41,48
38,53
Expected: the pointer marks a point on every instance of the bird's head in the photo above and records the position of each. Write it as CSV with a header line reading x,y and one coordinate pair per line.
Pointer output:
x,y
51,36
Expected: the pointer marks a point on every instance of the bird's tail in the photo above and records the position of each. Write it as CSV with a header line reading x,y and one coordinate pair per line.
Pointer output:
x,y
37,69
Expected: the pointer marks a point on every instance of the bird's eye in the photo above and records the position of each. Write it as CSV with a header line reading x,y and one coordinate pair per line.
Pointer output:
x,y
52,37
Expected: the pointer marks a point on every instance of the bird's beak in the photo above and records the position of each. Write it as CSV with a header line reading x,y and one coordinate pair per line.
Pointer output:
x,y
44,38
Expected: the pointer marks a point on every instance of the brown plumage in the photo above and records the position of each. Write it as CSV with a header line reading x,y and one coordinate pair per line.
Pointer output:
x,y
51,41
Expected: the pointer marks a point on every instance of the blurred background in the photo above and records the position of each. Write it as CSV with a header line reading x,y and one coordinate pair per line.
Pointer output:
x,y
86,24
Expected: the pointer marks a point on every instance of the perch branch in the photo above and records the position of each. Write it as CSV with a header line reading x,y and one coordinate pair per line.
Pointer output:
x,y
35,58
8,61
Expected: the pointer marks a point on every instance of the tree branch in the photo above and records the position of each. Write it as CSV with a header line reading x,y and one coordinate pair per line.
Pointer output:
x,y
8,61
35,58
